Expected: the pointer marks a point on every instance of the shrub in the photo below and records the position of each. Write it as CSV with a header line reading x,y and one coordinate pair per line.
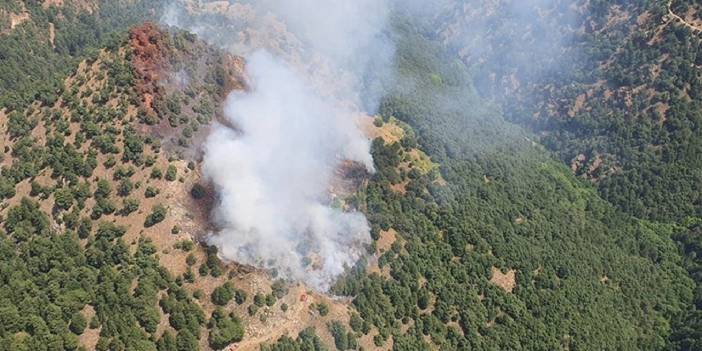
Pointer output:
x,y
85,227
157,215
252,309
270,300
198,191
78,323
125,187
221,295
171,173
156,173
185,245
191,259
259,300
129,206
103,189
151,192
226,331
323,309
240,296
63,198
109,162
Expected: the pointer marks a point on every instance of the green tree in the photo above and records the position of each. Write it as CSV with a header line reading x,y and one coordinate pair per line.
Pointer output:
x,y
225,330
222,294
171,173
78,323
157,215
129,205
125,187
167,342
63,198
186,341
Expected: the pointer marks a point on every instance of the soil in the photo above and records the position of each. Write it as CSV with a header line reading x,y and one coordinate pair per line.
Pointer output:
x,y
506,281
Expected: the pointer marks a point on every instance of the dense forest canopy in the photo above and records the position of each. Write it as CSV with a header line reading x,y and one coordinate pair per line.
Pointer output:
x,y
541,188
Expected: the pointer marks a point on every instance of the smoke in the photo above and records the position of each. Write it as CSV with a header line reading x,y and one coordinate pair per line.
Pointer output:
x,y
272,179
341,46
313,65
511,43
307,62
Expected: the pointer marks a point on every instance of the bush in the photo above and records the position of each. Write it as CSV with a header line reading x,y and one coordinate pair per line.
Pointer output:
x,y
185,245
279,289
156,173
103,189
252,309
151,192
109,162
198,191
18,125
167,342
125,187
259,300
63,198
94,323
129,206
102,206
203,270
85,227
149,161
123,172
197,294
270,300
190,260
225,332
186,341
341,340
323,309
171,173
222,294
240,296
158,214
78,323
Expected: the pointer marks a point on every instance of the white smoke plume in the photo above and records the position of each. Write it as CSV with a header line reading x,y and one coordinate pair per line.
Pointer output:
x,y
295,127
272,178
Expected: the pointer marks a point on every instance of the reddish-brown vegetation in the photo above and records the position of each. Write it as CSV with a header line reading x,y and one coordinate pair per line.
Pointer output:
x,y
149,60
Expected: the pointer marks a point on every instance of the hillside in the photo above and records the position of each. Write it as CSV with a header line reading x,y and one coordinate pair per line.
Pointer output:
x,y
522,197
103,173
611,91
41,41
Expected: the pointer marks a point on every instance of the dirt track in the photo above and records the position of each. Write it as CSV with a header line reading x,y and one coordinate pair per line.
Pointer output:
x,y
681,20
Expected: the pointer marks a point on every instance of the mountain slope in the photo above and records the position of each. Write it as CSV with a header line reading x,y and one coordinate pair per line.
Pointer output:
x,y
482,238
40,41
515,253
612,90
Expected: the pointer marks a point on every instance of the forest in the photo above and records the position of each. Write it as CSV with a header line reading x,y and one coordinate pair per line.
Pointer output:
x,y
565,213
618,103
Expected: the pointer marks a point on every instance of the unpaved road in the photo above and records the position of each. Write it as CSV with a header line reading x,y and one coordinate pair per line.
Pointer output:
x,y
682,20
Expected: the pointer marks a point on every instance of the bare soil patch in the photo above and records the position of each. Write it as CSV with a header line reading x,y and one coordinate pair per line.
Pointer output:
x,y
506,281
